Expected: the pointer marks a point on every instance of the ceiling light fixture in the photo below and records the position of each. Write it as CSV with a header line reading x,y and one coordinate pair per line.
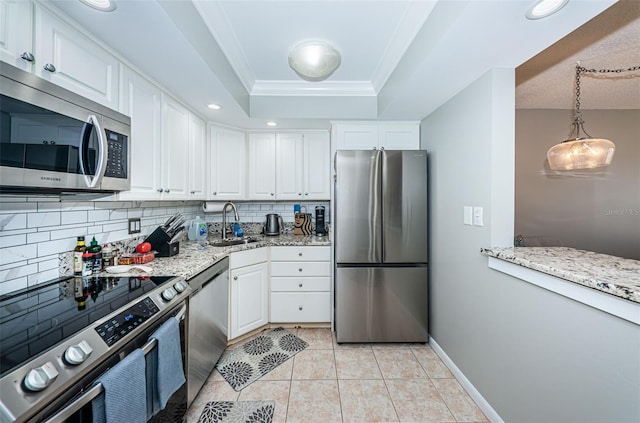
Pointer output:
x,y
583,152
272,123
314,60
543,8
214,106
102,5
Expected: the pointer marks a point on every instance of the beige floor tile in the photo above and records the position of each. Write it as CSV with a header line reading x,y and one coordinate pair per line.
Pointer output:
x,y
318,338
211,391
215,376
398,364
463,408
348,346
282,372
269,390
431,363
312,401
366,401
357,364
417,400
390,345
314,364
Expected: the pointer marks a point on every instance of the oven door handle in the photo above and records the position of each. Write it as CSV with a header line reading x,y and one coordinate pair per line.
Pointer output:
x,y
93,392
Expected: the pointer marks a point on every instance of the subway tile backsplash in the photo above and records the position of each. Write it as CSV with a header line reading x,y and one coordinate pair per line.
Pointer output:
x,y
36,230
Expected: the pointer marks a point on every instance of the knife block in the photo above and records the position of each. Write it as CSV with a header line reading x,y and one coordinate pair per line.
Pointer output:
x,y
159,241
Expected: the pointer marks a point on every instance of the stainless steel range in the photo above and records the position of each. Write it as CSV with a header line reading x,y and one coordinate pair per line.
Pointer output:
x,y
57,338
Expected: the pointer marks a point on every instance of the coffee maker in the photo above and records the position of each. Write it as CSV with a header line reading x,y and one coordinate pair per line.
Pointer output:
x,y
321,227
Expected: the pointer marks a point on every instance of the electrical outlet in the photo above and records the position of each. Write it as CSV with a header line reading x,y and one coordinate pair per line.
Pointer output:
x,y
134,225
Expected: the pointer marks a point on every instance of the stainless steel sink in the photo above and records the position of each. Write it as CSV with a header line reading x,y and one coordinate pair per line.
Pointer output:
x,y
227,242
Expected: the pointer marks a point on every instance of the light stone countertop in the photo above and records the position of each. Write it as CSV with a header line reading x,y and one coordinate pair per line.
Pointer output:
x,y
613,275
195,257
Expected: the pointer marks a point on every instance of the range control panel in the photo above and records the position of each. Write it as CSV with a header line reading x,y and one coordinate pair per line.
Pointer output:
x,y
117,327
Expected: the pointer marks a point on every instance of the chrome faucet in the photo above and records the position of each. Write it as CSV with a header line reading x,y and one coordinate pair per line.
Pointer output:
x,y
224,217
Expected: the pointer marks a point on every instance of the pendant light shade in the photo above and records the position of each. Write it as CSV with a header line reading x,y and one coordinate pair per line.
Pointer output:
x,y
583,153
314,60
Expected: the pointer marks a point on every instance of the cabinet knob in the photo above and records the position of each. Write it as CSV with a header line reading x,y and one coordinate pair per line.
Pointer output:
x,y
299,285
167,191
300,254
306,193
271,194
215,193
299,193
375,148
27,56
193,192
49,67
300,308
381,148
160,190
300,270
235,278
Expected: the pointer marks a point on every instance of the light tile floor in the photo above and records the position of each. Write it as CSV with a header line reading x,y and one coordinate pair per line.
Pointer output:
x,y
329,383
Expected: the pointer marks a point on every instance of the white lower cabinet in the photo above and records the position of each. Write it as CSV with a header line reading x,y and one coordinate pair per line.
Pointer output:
x,y
300,284
249,296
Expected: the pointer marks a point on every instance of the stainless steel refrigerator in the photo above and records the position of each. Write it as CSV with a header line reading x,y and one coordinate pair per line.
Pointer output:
x,y
381,246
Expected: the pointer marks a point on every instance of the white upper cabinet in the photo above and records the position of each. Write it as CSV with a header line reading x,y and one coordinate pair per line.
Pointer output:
x,y
16,24
67,58
262,166
228,164
302,166
377,135
197,157
141,100
175,149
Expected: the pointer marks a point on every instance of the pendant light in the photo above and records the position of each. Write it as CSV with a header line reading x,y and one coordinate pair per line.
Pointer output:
x,y
583,152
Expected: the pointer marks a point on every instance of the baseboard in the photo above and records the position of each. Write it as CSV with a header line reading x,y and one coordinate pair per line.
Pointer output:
x,y
466,384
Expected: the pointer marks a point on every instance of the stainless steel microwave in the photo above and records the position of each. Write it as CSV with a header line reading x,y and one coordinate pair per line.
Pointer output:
x,y
53,140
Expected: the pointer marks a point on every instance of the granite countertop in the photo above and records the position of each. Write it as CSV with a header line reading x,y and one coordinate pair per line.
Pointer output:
x,y
610,274
194,257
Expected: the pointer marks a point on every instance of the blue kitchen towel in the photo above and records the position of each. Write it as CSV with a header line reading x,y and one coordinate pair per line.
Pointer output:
x,y
124,398
168,357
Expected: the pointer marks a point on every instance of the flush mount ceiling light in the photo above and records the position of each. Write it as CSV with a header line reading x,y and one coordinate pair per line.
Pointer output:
x,y
314,60
543,8
583,152
214,106
103,5
272,123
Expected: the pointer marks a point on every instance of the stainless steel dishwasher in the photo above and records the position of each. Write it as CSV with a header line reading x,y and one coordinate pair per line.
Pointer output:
x,y
208,324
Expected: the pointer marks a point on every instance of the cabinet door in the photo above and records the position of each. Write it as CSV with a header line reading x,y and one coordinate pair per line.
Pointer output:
x,y
197,157
399,136
262,166
289,166
361,136
15,32
175,149
317,166
248,298
80,65
140,100
228,158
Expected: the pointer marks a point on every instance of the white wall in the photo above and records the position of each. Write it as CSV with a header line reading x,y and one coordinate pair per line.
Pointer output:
x,y
535,356
596,209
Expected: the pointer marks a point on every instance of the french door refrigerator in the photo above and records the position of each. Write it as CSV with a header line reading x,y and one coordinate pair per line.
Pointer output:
x,y
381,246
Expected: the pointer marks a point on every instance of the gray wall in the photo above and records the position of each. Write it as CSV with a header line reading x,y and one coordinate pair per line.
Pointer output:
x,y
596,210
535,356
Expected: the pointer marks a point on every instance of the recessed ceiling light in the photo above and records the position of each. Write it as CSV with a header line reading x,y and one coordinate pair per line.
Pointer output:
x,y
272,123
543,8
103,5
214,106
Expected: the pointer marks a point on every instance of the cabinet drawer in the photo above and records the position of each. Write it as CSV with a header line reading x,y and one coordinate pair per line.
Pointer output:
x,y
306,253
299,307
300,284
247,257
288,268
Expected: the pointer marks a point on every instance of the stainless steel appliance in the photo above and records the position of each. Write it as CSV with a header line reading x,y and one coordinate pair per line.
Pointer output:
x,y
59,337
54,140
381,246
273,224
208,327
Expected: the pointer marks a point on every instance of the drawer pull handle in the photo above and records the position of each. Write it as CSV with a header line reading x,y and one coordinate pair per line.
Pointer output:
x,y
300,308
300,285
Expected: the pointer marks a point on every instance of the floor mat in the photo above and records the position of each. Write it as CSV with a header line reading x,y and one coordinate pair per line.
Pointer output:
x,y
238,412
257,357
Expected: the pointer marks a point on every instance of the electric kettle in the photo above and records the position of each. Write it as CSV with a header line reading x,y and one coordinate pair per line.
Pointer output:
x,y
273,224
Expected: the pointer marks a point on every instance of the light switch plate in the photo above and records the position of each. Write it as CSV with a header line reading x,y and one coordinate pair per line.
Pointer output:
x,y
468,215
134,225
477,216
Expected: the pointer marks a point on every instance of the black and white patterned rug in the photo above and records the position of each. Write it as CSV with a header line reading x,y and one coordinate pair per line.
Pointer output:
x,y
238,412
257,357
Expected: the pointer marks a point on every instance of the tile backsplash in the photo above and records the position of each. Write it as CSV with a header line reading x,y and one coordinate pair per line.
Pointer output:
x,y
36,230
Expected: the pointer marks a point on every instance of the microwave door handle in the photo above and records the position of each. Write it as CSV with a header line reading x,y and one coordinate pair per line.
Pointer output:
x,y
101,168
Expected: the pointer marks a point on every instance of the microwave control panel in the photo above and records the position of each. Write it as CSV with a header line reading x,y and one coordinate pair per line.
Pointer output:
x,y
116,155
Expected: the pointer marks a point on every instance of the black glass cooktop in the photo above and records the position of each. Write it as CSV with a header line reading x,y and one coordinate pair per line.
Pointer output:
x,y
34,320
